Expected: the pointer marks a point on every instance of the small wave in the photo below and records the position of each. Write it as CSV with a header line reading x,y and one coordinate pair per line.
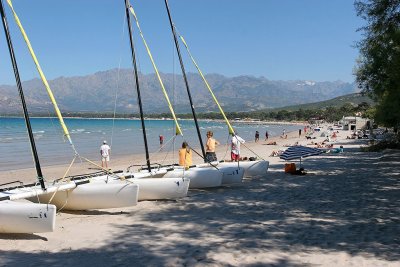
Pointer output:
x,y
6,140
77,130
36,132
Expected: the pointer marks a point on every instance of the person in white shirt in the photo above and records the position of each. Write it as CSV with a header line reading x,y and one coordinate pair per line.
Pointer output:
x,y
235,147
105,154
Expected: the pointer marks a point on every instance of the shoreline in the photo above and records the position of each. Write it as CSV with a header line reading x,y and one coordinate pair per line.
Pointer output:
x,y
250,121
343,212
84,131
121,162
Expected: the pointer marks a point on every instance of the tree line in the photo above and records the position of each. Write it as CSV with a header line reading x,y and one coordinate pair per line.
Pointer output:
x,y
378,67
329,114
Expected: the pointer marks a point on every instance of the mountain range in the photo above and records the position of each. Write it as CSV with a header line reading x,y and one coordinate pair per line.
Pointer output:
x,y
115,89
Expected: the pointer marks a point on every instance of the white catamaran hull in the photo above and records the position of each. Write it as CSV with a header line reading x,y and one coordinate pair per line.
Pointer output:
x,y
151,188
251,168
231,174
26,218
200,177
32,191
95,195
161,188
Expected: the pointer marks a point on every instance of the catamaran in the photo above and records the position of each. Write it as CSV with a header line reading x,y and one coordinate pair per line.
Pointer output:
x,y
200,176
24,217
64,193
230,173
150,181
251,168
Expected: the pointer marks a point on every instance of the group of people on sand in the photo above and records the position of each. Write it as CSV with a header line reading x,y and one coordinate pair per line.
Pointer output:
x,y
185,153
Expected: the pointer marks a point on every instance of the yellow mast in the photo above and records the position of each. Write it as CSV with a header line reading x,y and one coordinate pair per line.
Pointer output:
x,y
44,80
178,128
231,131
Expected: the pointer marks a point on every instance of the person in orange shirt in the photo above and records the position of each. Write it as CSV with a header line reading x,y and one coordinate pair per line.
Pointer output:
x,y
185,155
210,147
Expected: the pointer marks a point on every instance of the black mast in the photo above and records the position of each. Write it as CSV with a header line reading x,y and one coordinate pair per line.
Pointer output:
x,y
21,94
137,84
186,82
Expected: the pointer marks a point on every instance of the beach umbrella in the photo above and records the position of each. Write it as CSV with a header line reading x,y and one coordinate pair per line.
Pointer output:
x,y
299,152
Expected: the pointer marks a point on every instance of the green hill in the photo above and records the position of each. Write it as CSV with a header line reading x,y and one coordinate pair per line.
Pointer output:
x,y
353,99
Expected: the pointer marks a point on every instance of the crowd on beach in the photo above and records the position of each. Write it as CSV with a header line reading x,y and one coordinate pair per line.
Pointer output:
x,y
327,217
309,135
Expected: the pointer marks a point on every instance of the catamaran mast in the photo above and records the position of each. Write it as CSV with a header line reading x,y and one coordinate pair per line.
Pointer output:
x,y
137,84
186,81
21,94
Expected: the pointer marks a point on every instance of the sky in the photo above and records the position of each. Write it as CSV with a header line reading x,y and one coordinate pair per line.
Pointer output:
x,y
277,39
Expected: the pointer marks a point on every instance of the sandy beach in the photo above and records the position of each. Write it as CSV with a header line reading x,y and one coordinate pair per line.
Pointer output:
x,y
344,212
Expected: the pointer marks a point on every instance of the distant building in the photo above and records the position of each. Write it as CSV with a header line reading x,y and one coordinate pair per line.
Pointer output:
x,y
355,123
316,121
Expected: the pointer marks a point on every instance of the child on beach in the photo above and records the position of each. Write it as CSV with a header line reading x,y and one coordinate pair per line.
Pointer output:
x,y
185,156
210,147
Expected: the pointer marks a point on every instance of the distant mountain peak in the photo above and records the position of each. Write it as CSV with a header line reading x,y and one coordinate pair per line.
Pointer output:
x,y
96,93
308,83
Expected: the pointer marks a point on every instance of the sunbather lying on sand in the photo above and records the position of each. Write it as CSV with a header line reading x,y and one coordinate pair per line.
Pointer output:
x,y
295,144
320,145
276,153
272,143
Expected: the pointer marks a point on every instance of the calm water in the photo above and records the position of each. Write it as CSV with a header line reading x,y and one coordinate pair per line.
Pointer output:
x,y
125,137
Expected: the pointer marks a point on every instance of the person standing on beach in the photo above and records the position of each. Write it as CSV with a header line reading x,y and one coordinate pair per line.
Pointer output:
x,y
257,136
266,135
105,154
299,133
210,147
161,137
235,147
284,135
185,156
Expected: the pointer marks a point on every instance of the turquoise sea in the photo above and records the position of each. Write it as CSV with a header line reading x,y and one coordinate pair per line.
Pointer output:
x,y
123,135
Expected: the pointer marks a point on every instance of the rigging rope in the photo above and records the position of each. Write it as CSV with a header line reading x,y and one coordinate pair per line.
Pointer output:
x,y
117,87
227,147
252,151
48,89
231,131
44,80
178,130
173,90
230,128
